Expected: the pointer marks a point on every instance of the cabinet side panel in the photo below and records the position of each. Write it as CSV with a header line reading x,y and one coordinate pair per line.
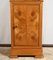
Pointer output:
x,y
11,14
40,28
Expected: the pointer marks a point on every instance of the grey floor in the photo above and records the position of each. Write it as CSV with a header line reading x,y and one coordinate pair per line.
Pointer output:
x,y
5,53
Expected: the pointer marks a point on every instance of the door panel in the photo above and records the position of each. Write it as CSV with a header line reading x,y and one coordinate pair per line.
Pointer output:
x,y
33,24
26,21
20,25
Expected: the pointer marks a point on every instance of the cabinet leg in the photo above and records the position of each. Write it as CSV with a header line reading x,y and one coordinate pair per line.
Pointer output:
x,y
13,56
39,56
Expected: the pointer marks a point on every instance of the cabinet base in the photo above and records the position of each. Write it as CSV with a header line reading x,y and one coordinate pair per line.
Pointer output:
x,y
15,52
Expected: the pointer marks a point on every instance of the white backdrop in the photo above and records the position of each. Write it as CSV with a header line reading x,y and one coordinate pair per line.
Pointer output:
x,y
4,22
47,33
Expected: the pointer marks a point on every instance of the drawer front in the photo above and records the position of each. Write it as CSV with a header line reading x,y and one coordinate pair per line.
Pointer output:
x,y
26,24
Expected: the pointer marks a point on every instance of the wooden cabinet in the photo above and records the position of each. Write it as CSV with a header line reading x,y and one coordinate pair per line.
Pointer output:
x,y
26,27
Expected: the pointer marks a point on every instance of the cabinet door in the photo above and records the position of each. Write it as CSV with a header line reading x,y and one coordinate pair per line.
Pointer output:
x,y
33,24
26,25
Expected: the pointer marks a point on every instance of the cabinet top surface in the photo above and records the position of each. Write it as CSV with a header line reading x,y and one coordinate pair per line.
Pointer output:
x,y
26,0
